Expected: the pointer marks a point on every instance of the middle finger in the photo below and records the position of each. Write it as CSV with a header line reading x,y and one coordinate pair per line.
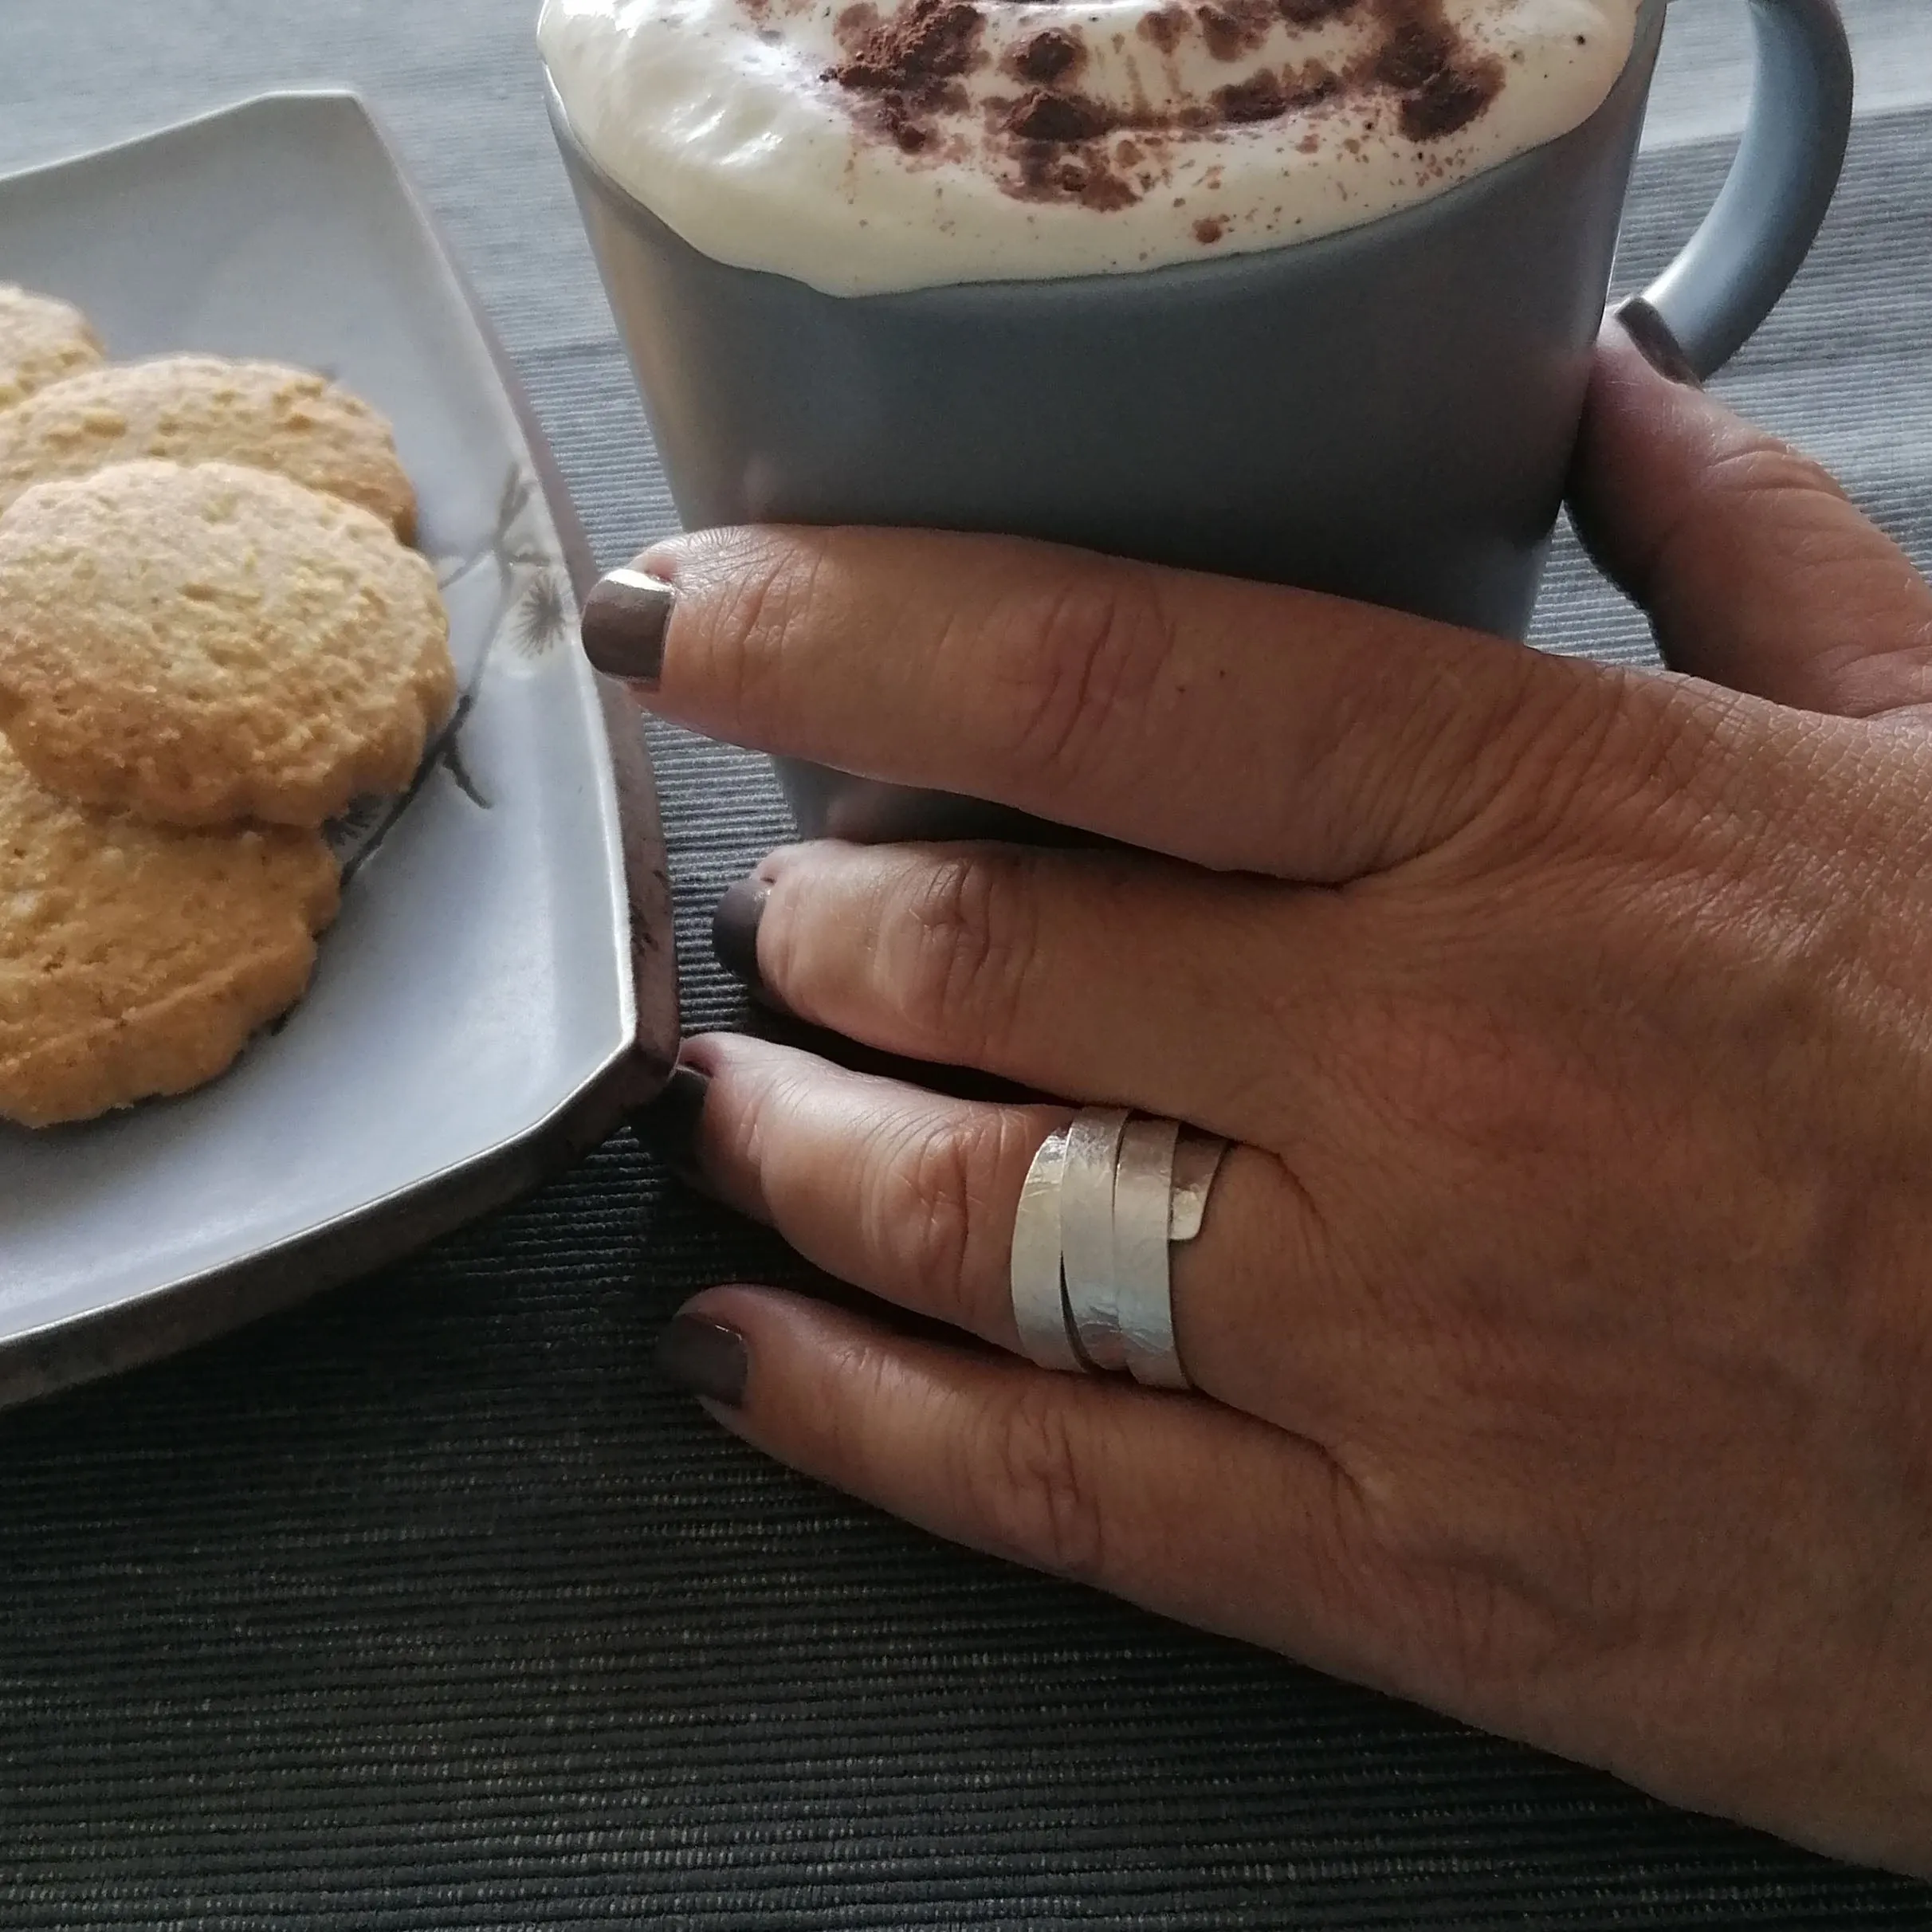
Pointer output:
x,y
1102,978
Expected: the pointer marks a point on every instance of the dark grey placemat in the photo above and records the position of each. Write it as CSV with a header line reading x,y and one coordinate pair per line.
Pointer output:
x,y
426,1606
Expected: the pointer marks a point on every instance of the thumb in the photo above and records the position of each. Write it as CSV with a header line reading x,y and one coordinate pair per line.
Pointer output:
x,y
1756,570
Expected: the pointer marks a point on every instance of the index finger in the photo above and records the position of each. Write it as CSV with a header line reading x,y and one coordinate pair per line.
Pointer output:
x,y
1233,725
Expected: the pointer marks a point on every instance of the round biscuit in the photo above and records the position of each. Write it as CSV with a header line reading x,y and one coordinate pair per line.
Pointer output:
x,y
137,959
200,409
207,642
42,339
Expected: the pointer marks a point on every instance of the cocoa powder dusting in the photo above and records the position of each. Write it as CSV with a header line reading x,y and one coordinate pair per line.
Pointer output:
x,y
1447,102
1233,28
1444,83
1313,13
1050,172
1048,57
1260,98
1268,96
1164,26
910,64
907,68
1042,116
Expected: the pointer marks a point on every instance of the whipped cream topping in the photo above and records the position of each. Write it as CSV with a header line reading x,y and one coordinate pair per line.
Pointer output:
x,y
863,146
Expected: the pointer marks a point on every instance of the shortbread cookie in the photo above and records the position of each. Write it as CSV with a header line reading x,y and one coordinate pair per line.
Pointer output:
x,y
205,642
137,959
200,409
41,339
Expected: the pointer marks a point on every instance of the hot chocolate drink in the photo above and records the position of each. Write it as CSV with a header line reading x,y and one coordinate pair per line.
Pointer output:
x,y
875,262
862,146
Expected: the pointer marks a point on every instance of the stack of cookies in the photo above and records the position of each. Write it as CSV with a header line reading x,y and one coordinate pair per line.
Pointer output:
x,y
213,638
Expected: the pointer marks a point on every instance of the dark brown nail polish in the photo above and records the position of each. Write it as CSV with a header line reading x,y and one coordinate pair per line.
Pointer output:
x,y
669,1127
734,930
625,618
1654,341
705,1357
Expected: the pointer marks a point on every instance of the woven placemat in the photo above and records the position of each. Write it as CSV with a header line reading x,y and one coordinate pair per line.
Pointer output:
x,y
427,1605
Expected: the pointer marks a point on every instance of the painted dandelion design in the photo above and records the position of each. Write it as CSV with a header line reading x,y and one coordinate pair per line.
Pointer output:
x,y
542,614
534,589
535,612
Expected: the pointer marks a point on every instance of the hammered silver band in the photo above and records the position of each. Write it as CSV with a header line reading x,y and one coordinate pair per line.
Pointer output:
x,y
1102,1208
1040,1302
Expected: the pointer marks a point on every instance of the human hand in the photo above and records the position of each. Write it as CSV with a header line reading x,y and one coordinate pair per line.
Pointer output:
x,y
1562,1326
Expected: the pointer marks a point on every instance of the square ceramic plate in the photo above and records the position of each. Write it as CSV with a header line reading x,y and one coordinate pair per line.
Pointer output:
x,y
498,991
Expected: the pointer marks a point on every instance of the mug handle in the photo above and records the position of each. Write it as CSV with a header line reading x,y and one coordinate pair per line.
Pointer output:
x,y
1759,229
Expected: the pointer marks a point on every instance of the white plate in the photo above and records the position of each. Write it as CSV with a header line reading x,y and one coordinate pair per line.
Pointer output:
x,y
498,992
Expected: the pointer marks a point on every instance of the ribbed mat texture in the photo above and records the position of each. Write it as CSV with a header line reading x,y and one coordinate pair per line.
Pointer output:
x,y
427,1606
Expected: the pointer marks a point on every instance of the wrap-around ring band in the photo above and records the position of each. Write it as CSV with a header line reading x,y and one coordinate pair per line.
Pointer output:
x,y
1101,1208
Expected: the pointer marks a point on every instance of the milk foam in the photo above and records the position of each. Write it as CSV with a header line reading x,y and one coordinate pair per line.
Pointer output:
x,y
923,142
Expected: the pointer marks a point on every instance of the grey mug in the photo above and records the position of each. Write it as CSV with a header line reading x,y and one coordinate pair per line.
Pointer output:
x,y
1387,413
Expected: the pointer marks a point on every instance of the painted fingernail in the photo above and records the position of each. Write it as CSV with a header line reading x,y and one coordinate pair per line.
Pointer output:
x,y
669,1127
1654,341
625,617
705,1357
734,930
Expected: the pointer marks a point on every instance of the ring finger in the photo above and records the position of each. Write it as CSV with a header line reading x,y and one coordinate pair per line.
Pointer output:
x,y
912,1197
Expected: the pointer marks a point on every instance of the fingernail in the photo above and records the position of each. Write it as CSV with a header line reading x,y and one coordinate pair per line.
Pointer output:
x,y
734,930
1654,341
669,1127
705,1357
625,617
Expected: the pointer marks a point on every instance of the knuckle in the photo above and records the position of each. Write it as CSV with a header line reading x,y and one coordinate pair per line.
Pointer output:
x,y
1442,737
747,621
1085,654
926,1214
1651,773
1031,1489
1759,464
1588,752
966,957
1441,1588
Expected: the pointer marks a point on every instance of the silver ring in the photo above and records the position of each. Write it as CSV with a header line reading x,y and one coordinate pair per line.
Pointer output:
x,y
1104,1202
1040,1302
1197,1160
1143,1288
1087,1233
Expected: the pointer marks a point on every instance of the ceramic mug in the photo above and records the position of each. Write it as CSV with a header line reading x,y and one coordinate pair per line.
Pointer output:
x,y
1386,413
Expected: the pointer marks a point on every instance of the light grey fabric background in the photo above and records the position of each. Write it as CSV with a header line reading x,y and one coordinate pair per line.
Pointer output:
x,y
427,1606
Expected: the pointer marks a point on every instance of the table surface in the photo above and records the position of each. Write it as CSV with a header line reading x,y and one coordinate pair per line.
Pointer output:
x,y
425,1605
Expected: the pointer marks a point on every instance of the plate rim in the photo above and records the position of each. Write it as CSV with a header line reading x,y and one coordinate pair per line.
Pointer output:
x,y
175,1314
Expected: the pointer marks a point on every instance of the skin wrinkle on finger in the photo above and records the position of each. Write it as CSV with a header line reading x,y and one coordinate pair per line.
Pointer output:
x,y
1795,508
932,1193
965,962
1089,664
1023,1478
1756,570
1413,775
737,599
